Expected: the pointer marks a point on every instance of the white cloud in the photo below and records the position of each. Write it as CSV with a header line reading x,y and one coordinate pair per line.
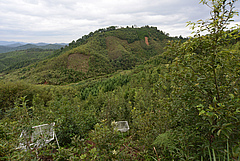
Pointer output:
x,y
66,20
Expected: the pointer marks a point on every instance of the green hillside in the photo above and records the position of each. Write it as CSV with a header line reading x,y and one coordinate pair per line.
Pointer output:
x,y
146,96
18,59
181,102
103,52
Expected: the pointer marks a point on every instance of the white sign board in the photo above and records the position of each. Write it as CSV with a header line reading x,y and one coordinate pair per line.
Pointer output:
x,y
40,135
122,126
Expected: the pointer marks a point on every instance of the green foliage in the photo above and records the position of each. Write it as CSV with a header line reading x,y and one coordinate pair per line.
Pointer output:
x,y
103,85
204,86
102,52
71,120
182,105
76,117
19,59
99,65
11,91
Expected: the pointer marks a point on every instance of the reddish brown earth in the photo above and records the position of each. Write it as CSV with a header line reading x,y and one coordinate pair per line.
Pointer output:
x,y
146,41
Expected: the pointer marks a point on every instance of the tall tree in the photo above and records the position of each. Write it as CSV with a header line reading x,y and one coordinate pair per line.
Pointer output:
x,y
205,74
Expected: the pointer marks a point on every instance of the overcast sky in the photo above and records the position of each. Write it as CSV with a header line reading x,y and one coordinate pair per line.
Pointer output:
x,y
56,21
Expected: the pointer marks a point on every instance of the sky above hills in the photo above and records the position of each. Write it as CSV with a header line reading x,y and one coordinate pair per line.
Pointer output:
x,y
57,21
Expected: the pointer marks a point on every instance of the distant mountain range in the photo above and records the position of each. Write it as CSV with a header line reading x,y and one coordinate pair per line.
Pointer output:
x,y
8,46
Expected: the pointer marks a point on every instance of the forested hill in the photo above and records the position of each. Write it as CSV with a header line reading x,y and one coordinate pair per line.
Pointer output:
x,y
18,59
101,52
180,104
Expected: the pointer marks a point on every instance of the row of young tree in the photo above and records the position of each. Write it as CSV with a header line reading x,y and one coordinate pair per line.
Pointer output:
x,y
183,105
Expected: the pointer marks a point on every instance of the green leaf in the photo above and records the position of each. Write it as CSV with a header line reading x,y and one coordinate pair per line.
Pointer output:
x,y
214,100
219,131
231,96
211,108
200,105
202,112
238,110
83,156
210,114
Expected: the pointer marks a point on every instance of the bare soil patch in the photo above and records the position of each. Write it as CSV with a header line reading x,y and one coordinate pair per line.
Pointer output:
x,y
146,41
115,46
78,62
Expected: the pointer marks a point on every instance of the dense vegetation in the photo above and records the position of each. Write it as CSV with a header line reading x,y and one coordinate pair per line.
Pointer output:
x,y
103,52
18,59
180,105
